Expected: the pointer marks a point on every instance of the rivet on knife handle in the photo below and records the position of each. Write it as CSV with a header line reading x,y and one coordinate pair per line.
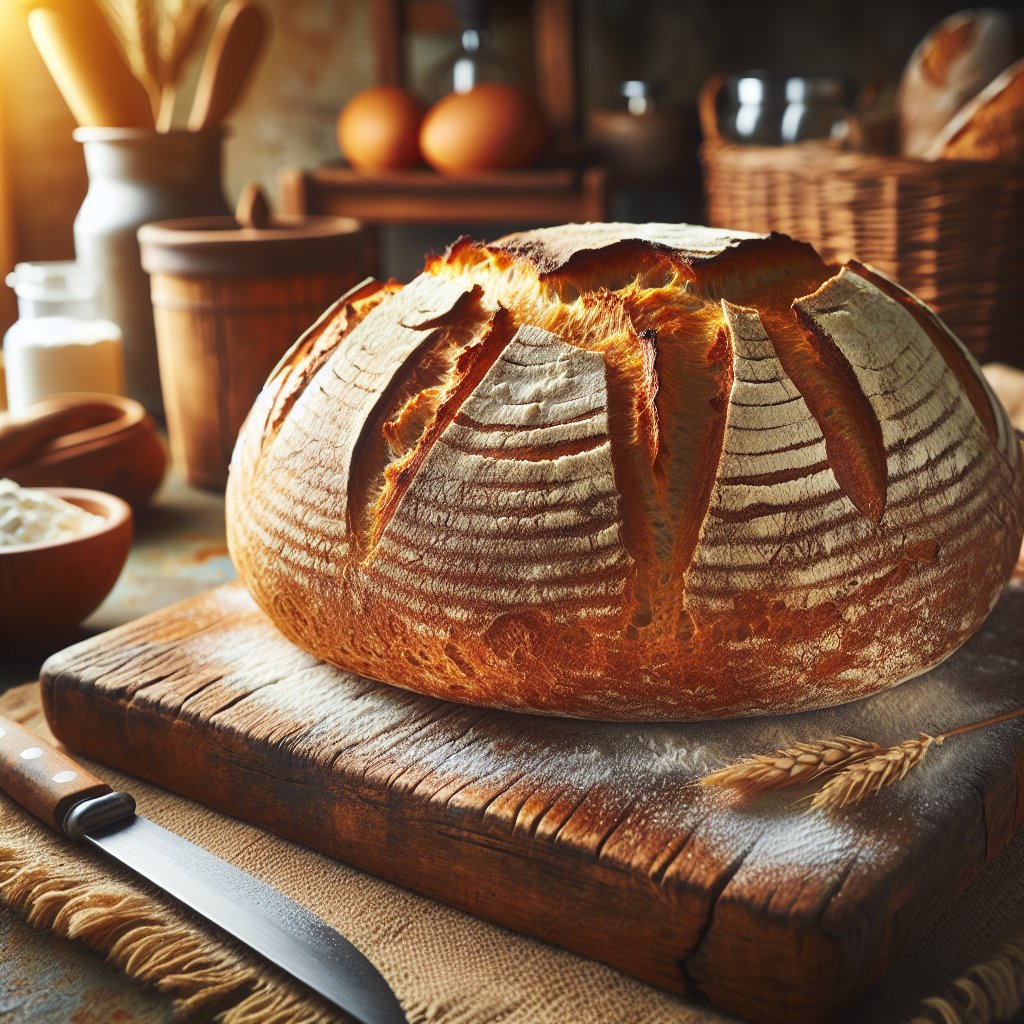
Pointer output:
x,y
44,781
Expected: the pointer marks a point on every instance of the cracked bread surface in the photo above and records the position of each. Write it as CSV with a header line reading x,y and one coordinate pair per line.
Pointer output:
x,y
629,472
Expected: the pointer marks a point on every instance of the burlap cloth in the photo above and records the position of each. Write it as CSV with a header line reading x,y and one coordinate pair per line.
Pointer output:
x,y
444,965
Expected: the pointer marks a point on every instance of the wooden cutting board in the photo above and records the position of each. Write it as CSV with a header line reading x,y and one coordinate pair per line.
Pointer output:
x,y
588,835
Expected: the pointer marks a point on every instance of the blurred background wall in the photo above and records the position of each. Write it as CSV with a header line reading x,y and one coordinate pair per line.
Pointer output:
x,y
321,54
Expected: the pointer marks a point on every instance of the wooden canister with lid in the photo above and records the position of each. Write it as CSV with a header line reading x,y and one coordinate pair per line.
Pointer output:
x,y
230,296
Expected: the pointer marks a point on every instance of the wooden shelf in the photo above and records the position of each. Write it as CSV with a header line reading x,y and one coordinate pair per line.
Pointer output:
x,y
536,196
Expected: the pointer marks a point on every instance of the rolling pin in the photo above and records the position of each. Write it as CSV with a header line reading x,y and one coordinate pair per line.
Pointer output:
x,y
82,55
237,42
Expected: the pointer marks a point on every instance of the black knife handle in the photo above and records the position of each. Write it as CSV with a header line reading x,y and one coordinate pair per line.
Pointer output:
x,y
46,782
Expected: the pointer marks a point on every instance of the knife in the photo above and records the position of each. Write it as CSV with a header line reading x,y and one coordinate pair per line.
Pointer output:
x,y
75,803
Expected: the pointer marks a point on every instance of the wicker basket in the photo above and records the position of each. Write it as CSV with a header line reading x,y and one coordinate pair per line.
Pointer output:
x,y
950,231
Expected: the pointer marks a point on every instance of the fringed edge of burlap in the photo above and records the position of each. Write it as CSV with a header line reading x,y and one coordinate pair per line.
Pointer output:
x,y
203,975
986,992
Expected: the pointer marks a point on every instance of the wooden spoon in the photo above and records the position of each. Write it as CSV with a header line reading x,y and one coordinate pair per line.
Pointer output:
x,y
103,442
23,436
81,52
241,32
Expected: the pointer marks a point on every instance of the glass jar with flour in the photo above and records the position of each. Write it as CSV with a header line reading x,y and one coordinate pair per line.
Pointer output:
x,y
59,343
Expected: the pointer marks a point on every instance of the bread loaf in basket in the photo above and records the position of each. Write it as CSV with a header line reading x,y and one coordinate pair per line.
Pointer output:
x,y
629,472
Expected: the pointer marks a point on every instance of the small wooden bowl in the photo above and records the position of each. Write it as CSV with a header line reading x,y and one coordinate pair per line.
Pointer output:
x,y
47,590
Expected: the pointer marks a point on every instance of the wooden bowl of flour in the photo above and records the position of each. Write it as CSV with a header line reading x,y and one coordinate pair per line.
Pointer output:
x,y
49,587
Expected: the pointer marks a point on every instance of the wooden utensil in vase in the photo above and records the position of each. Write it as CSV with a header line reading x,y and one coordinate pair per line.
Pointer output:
x,y
82,55
238,40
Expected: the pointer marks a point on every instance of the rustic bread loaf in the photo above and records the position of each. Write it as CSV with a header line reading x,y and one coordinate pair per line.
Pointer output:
x,y
990,126
637,472
951,65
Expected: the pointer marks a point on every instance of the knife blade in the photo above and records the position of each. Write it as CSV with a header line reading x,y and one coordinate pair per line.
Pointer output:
x,y
75,803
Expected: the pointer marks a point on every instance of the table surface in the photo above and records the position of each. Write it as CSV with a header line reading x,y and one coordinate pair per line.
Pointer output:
x,y
179,550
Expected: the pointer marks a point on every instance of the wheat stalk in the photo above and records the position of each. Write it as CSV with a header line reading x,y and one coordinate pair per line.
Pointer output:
x,y
853,769
854,783
792,766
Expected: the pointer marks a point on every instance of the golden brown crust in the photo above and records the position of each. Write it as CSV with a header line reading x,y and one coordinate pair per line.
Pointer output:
x,y
991,126
638,472
952,64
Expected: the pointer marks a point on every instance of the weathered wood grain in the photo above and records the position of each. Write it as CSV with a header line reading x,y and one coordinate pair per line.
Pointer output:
x,y
588,835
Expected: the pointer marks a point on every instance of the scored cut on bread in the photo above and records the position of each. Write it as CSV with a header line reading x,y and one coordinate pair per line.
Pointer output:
x,y
629,472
